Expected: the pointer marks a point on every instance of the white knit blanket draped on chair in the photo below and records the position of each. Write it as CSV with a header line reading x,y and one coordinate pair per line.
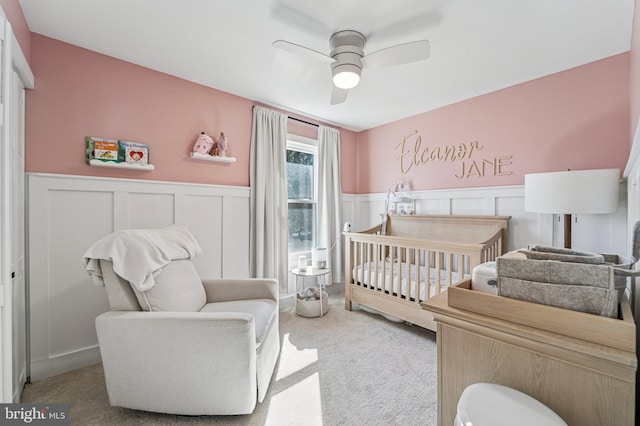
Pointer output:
x,y
138,254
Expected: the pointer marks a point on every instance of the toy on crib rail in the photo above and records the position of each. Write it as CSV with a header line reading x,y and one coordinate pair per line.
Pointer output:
x,y
203,144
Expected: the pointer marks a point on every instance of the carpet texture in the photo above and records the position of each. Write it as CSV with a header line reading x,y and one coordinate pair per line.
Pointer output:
x,y
346,368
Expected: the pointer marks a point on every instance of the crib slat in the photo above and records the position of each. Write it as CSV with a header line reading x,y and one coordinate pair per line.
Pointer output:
x,y
449,271
369,264
374,266
361,253
428,265
398,271
417,281
438,269
398,280
406,276
460,267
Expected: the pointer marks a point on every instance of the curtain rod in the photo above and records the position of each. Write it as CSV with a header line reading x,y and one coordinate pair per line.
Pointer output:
x,y
297,119
302,121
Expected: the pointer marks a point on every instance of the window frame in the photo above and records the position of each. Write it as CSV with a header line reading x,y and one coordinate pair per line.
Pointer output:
x,y
309,146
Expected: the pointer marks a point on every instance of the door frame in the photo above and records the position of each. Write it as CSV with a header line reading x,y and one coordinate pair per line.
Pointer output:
x,y
12,60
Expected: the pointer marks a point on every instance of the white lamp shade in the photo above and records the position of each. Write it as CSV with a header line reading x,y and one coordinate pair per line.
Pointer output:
x,y
572,192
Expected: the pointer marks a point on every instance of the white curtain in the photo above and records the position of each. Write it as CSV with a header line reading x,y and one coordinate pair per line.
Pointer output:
x,y
329,200
268,240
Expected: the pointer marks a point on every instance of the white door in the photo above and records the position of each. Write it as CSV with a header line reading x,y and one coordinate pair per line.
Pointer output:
x,y
19,331
13,315
6,221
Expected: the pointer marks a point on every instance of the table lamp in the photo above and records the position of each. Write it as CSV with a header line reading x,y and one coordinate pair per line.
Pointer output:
x,y
572,192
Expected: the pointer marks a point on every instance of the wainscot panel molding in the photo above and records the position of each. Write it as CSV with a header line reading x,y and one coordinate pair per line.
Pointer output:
x,y
66,214
601,233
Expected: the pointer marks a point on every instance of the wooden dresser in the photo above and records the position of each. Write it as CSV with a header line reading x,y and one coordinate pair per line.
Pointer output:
x,y
587,374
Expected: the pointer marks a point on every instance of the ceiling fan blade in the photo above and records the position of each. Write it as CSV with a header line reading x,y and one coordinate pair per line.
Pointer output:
x,y
397,55
338,95
296,16
301,50
407,27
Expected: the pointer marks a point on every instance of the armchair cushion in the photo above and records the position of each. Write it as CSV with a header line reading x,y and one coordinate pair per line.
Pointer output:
x,y
177,288
263,310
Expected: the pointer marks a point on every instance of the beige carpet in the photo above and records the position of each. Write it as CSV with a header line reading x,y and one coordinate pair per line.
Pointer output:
x,y
346,368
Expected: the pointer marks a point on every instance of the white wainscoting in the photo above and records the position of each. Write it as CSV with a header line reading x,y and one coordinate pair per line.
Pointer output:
x,y
66,214
601,233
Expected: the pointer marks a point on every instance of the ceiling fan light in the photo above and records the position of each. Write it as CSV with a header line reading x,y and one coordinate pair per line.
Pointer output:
x,y
346,76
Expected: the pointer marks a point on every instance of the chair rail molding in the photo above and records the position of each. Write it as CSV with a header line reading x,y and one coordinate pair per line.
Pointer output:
x,y
591,232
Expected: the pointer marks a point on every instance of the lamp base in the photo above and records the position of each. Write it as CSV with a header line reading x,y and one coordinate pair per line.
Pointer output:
x,y
567,231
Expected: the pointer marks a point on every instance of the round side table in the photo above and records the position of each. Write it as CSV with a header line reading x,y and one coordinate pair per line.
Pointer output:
x,y
311,308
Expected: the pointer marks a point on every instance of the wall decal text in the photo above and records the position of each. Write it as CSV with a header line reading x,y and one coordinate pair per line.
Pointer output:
x,y
412,154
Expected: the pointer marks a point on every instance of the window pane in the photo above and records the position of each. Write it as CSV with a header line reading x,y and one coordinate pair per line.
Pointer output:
x,y
302,219
300,175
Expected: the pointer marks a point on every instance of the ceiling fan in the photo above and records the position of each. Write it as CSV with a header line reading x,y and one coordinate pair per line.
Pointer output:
x,y
347,58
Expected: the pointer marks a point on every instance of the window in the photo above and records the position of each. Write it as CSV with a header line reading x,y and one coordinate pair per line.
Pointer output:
x,y
301,193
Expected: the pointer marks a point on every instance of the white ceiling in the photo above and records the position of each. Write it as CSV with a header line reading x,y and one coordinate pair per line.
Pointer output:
x,y
476,46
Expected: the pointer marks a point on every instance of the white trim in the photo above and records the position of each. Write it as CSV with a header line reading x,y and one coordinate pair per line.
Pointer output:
x,y
80,209
63,363
6,217
460,192
634,154
123,184
19,61
302,142
362,211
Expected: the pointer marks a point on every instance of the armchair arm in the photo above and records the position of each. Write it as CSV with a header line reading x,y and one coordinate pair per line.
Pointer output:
x,y
223,290
159,333
194,355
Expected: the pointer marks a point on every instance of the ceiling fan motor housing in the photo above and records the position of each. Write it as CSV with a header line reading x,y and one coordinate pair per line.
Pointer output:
x,y
347,48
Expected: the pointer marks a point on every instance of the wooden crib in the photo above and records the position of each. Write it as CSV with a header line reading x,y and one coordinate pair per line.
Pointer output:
x,y
418,257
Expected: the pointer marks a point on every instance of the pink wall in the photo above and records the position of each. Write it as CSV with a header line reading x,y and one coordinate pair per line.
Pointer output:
x,y
14,14
577,119
635,70
81,93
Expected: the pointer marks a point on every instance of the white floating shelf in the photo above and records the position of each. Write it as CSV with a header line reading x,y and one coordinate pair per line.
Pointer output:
x,y
215,159
114,165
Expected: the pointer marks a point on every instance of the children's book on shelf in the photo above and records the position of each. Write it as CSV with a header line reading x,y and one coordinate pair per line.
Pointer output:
x,y
133,153
101,149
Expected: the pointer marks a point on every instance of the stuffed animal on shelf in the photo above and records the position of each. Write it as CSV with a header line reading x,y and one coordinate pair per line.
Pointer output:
x,y
221,145
203,144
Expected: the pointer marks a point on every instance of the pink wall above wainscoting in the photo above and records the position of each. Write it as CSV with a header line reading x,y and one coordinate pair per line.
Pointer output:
x,y
81,93
577,119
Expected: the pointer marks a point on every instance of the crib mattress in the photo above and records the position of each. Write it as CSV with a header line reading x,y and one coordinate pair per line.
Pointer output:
x,y
413,275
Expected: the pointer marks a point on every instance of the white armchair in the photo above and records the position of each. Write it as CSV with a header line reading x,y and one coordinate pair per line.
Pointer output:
x,y
187,346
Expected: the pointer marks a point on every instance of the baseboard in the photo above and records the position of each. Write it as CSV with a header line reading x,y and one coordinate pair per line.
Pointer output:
x,y
17,391
64,363
287,301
